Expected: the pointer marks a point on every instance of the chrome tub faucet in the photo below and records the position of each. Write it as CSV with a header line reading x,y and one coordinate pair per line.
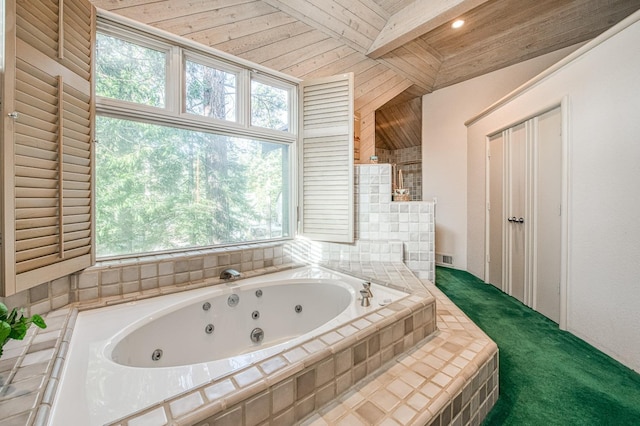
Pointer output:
x,y
229,275
367,287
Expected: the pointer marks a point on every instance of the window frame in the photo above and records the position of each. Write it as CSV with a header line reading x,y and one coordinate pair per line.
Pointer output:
x,y
174,113
133,37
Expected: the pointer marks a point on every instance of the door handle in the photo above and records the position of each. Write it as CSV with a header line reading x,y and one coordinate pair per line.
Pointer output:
x,y
516,220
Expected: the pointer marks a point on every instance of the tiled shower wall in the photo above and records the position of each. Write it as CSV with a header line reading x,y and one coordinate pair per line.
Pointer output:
x,y
383,226
385,231
409,160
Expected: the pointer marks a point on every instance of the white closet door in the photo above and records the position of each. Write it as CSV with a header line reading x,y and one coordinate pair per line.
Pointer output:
x,y
525,212
548,220
517,161
496,210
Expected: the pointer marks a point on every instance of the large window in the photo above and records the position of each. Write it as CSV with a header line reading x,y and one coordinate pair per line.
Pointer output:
x,y
193,153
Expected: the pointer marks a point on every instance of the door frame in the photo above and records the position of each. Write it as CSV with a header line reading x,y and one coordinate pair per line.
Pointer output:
x,y
565,258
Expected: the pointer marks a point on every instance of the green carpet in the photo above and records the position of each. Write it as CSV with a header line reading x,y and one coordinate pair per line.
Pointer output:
x,y
547,376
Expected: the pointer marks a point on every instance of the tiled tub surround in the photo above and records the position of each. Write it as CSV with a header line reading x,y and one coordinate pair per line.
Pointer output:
x,y
151,275
30,370
129,333
448,379
456,371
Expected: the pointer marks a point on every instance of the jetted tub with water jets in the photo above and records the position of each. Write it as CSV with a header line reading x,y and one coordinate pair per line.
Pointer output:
x,y
126,357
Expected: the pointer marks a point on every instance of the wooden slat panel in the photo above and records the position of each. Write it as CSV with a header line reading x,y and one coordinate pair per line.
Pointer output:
x,y
34,216
50,115
32,80
35,232
41,158
326,184
40,34
32,172
76,218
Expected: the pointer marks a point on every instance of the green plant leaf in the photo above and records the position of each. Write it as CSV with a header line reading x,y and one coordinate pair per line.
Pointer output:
x,y
12,327
12,316
4,311
19,329
5,330
37,320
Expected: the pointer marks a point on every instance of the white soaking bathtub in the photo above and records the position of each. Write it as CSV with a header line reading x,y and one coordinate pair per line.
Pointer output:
x,y
126,357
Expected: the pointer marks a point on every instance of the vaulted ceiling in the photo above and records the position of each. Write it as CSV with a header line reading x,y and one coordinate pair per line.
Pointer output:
x,y
398,49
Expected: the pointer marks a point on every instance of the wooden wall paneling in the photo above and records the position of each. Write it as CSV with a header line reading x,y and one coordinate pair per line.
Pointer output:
x,y
192,25
264,54
119,5
253,27
384,94
354,61
367,104
304,54
368,10
277,27
326,59
410,66
369,93
367,136
369,80
151,12
406,96
400,126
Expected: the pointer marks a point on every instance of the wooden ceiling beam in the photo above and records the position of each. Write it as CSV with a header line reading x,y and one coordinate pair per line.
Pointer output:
x,y
415,20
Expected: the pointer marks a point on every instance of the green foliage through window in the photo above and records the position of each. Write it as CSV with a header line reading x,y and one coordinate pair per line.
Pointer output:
x,y
269,106
173,179
161,188
210,92
130,72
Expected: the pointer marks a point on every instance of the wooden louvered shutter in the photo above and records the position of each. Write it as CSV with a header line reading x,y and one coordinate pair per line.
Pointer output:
x,y
326,159
47,146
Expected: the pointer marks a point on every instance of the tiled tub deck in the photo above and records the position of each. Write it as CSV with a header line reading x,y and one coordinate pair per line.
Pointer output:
x,y
379,369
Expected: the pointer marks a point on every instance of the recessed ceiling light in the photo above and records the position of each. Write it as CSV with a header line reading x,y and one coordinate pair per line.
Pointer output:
x,y
457,23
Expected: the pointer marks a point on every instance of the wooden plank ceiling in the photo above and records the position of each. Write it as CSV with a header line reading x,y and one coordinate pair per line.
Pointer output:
x,y
398,49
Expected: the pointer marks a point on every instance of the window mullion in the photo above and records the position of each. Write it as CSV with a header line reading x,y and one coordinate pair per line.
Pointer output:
x,y
244,98
175,81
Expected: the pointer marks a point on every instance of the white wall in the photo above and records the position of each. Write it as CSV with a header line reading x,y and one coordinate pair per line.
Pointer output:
x,y
444,145
602,87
